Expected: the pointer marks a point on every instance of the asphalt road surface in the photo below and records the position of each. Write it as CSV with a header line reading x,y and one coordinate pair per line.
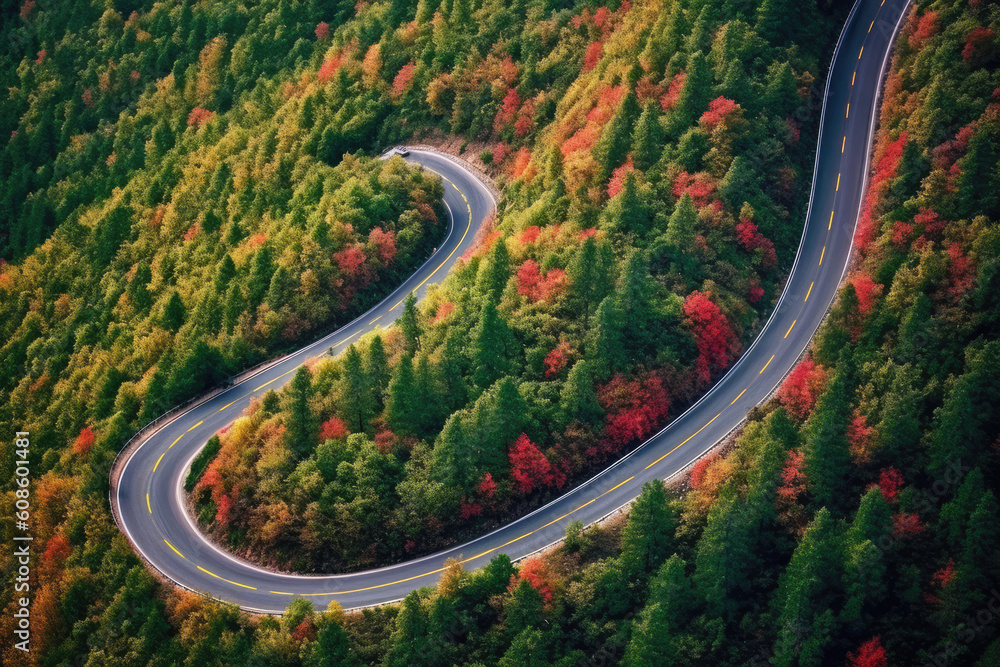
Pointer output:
x,y
149,497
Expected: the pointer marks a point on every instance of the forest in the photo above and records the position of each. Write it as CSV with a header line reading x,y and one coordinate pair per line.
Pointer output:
x,y
190,190
632,257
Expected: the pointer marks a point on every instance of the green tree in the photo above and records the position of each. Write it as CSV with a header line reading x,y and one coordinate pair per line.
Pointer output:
x,y
409,323
616,139
578,400
648,141
174,312
357,391
302,424
493,347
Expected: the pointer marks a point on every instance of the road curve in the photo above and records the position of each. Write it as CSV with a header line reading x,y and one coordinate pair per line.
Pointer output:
x,y
148,495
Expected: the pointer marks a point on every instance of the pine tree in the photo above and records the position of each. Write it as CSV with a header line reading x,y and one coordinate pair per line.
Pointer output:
x,y
648,536
260,275
302,424
449,462
377,369
280,291
628,212
804,622
226,272
782,93
523,610
648,142
578,400
451,371
174,312
139,287
827,458
357,391
590,274
493,347
657,637
410,325
615,141
403,398
495,272
498,417
409,639
604,342
724,558
682,225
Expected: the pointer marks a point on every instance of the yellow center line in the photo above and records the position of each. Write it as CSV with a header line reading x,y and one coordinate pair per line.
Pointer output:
x,y
843,144
838,188
284,374
860,52
375,320
809,292
685,442
147,504
848,114
821,255
853,77
790,328
871,26
280,593
766,365
227,405
176,441
196,426
738,397
829,226
158,461
175,550
472,558
224,579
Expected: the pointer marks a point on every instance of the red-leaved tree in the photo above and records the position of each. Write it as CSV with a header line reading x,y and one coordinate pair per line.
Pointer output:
x,y
712,333
799,391
529,468
869,654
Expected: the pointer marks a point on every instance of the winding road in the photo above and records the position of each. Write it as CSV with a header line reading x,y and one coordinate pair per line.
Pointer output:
x,y
147,495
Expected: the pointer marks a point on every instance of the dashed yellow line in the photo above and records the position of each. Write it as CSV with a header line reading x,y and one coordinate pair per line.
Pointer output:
x,y
176,441
843,144
848,114
227,405
830,226
375,320
871,26
156,465
147,504
280,593
175,550
836,190
790,328
479,555
282,375
766,365
854,76
234,583
809,292
738,397
683,443
196,426
860,52
821,255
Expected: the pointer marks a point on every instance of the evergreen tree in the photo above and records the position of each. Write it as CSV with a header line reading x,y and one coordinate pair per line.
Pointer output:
x,y
648,141
604,343
493,347
805,622
578,400
648,536
616,139
377,369
302,424
827,459
357,391
403,398
495,272
409,639
628,212
410,325
174,312
590,276
657,638
280,291
682,225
